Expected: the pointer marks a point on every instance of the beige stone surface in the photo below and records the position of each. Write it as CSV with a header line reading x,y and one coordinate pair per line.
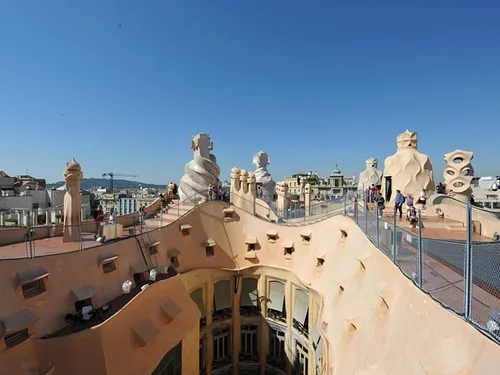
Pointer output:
x,y
410,170
372,318
453,208
458,174
72,202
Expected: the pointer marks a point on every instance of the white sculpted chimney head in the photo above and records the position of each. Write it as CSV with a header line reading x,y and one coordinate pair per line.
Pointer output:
x,y
372,163
261,159
458,172
407,139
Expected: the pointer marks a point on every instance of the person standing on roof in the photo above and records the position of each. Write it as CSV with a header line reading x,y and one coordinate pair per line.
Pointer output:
x,y
398,203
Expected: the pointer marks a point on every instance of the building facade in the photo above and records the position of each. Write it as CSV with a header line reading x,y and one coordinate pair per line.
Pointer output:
x,y
323,188
126,206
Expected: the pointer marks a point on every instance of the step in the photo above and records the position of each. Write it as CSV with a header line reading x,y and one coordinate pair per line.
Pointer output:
x,y
455,226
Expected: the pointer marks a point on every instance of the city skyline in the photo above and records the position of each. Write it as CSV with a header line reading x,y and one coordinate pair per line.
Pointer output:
x,y
123,87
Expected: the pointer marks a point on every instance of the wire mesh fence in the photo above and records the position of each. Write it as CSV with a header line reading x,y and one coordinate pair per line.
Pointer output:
x,y
441,267
443,271
485,305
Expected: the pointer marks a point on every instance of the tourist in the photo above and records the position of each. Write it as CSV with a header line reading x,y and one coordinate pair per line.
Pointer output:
x,y
111,218
440,188
141,214
98,219
409,204
412,217
398,204
380,205
422,199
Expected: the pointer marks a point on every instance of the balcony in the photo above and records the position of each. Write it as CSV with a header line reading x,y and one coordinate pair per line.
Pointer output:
x,y
76,322
222,314
249,311
301,328
276,315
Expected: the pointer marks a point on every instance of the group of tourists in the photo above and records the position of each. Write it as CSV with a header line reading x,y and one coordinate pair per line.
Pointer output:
x,y
374,195
409,201
216,193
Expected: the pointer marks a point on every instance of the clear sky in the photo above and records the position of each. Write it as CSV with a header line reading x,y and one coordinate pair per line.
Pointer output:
x,y
123,85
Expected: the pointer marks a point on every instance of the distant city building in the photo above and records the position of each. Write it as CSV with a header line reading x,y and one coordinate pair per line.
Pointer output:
x,y
323,188
126,206
486,192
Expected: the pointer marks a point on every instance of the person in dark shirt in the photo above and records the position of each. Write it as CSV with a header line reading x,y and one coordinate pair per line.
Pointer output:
x,y
398,203
412,217
380,205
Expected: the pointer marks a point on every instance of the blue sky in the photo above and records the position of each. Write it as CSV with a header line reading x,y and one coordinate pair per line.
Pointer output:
x,y
124,85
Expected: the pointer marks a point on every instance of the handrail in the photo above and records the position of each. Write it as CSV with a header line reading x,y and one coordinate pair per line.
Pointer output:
x,y
293,221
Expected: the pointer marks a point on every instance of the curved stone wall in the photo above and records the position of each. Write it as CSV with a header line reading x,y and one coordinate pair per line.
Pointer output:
x,y
369,310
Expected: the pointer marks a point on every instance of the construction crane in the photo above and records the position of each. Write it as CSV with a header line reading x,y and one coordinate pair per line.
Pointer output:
x,y
112,175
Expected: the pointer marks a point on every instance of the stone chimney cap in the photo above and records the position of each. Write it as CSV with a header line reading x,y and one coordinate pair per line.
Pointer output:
x,y
73,165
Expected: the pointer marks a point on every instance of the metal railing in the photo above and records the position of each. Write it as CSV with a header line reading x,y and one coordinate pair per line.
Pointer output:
x,y
30,241
21,217
463,276
293,215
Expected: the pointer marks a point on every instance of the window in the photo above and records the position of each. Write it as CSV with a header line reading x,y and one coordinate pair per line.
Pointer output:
x,y
288,251
16,338
174,261
33,288
301,312
197,297
306,237
185,229
209,251
153,248
221,346
203,362
222,300
139,278
228,213
171,363
318,358
336,183
276,308
249,350
210,247
108,266
249,303
272,236
301,363
277,355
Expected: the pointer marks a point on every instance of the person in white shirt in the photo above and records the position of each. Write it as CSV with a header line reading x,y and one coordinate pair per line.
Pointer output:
x,y
422,199
111,219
